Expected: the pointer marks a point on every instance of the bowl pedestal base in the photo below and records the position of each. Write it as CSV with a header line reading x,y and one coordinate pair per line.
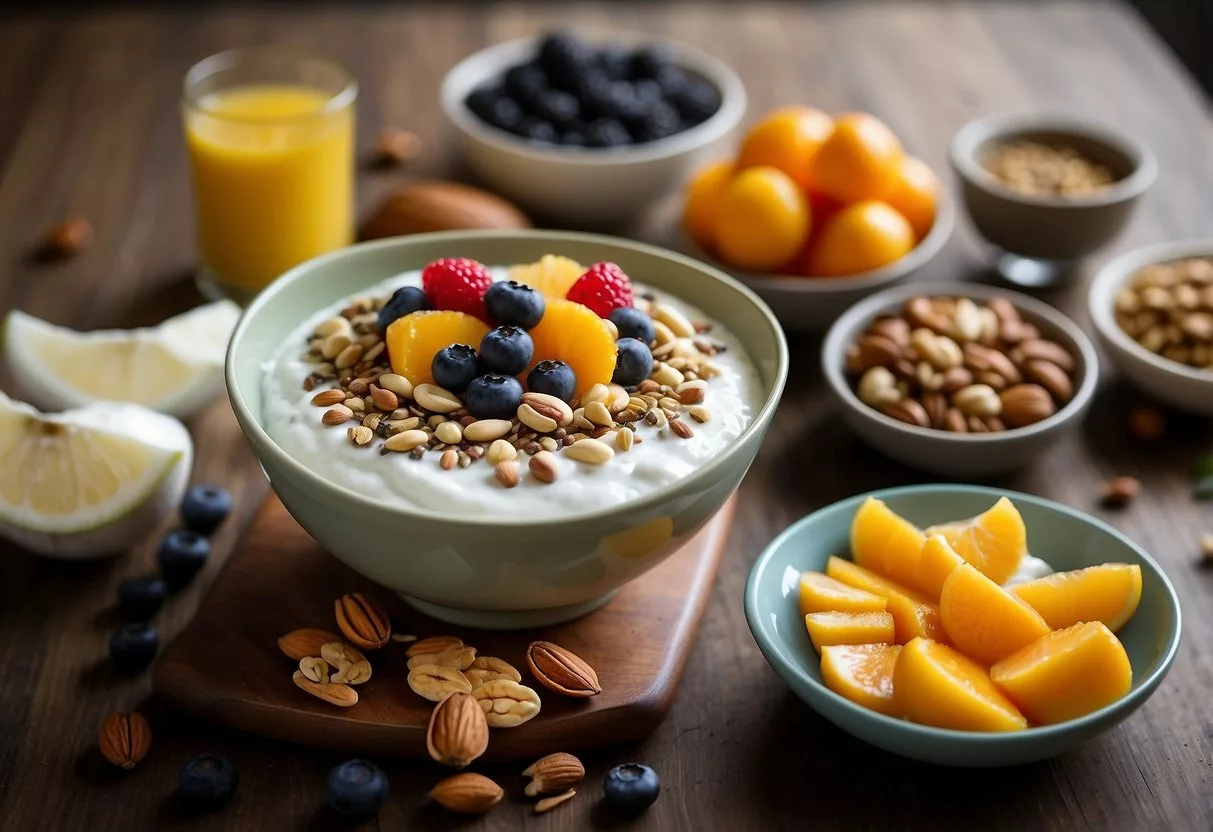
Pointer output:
x,y
279,579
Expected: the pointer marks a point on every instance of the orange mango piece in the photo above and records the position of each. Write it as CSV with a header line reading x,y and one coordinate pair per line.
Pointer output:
x,y
913,614
936,685
1066,674
935,564
983,620
885,542
1109,593
994,541
862,673
821,593
848,628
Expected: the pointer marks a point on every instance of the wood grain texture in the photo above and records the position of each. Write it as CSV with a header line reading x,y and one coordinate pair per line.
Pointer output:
x,y
90,125
278,579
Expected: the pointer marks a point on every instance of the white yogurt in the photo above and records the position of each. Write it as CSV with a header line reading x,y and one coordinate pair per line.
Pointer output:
x,y
400,480
1030,568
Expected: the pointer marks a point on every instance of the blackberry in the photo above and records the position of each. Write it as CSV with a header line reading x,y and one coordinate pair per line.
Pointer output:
x,y
607,132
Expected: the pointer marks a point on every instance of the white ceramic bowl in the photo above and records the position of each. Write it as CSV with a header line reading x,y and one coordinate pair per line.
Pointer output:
x,y
958,454
811,304
1186,388
586,187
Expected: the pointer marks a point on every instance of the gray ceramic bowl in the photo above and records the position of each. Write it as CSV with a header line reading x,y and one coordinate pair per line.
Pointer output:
x,y
508,571
1047,227
1186,388
586,187
943,452
1065,538
811,304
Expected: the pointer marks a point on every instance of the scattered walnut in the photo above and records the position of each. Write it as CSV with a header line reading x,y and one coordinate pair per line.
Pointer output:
x,y
395,147
1120,491
69,238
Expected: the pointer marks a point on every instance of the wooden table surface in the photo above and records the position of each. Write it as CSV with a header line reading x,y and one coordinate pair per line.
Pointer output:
x,y
90,125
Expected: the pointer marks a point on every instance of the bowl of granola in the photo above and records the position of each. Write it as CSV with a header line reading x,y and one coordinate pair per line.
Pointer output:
x,y
1153,313
505,426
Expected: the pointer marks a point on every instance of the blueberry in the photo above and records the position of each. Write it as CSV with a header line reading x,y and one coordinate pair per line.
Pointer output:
x,y
524,82
207,782
697,101
493,396
560,108
182,554
505,114
563,57
613,61
538,130
506,350
607,132
454,366
658,122
633,362
632,323
356,789
671,80
572,138
404,301
648,61
140,598
205,507
554,378
625,102
594,94
631,788
480,101
133,646
647,91
513,303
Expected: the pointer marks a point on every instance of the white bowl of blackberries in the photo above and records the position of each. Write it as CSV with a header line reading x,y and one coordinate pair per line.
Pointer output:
x,y
589,130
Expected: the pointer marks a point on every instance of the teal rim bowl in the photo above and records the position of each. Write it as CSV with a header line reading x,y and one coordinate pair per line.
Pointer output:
x,y
1065,538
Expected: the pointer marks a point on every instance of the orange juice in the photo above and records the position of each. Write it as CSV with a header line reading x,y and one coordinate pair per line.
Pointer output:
x,y
273,168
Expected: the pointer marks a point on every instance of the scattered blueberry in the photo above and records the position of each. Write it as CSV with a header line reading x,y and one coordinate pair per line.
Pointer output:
x,y
524,82
631,788
633,362
558,107
632,323
133,646
182,554
140,598
207,782
607,132
493,396
205,507
455,366
538,130
554,378
356,789
513,303
404,301
506,350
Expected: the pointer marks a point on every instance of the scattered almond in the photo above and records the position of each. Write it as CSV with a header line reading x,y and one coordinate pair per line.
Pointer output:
x,y
395,147
458,732
467,793
299,644
69,237
433,644
1120,491
125,739
363,621
553,773
562,670
547,804
343,696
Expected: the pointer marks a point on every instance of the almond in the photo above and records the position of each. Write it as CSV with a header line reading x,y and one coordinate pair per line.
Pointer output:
x,y
433,644
543,466
547,804
549,406
437,205
70,237
1051,377
341,695
506,473
561,670
395,147
299,644
364,623
467,793
458,732
908,411
553,773
1047,351
876,351
1025,404
125,739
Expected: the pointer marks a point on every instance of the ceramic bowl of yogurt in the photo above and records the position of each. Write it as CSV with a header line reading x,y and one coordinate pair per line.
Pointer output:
x,y
452,540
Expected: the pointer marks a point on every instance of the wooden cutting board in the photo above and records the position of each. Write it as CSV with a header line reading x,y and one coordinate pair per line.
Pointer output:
x,y
226,665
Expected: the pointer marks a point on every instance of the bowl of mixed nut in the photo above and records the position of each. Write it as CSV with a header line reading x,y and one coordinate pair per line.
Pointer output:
x,y
957,379
1153,312
505,426
1052,189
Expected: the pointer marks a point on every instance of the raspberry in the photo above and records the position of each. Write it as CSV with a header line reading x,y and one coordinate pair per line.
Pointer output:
x,y
457,284
604,288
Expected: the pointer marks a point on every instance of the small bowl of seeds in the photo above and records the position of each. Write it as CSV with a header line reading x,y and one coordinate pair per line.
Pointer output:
x,y
958,379
1153,313
1048,190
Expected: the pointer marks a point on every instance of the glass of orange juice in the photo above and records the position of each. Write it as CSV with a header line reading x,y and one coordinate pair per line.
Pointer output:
x,y
270,134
